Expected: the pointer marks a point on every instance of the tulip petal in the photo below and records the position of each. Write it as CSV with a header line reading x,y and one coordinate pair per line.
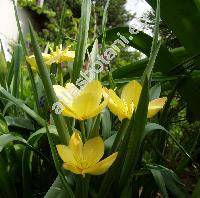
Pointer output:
x,y
72,90
85,104
155,106
65,95
69,113
102,166
97,110
117,106
67,56
131,93
93,151
72,168
31,60
66,154
76,145
94,87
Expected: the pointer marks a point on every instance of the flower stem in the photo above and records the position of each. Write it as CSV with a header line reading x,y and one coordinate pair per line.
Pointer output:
x,y
83,133
119,135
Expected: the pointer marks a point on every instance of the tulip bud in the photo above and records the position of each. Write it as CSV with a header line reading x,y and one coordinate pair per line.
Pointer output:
x,y
3,64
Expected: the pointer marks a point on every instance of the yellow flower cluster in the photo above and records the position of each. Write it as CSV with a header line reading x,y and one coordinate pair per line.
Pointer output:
x,y
87,103
58,56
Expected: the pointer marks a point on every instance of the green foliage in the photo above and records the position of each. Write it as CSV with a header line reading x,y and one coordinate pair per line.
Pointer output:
x,y
49,16
156,157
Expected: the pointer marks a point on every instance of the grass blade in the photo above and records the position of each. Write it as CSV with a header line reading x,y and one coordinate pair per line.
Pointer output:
x,y
66,186
160,182
134,143
30,72
155,45
82,39
17,62
51,97
20,103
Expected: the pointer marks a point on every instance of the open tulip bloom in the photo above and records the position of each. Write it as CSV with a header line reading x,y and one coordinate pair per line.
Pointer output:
x,y
58,56
123,107
85,158
81,104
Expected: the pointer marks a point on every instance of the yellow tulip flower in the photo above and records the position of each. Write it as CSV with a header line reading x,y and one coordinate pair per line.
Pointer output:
x,y
58,56
31,60
85,159
81,104
123,107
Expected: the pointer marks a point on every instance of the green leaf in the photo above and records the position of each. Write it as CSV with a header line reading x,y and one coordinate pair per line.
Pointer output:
x,y
155,45
3,125
66,187
109,142
51,97
106,123
136,134
17,63
82,39
19,122
114,172
153,127
183,19
22,105
7,138
7,188
160,182
25,53
104,22
171,182
60,35
27,159
3,64
120,135
154,92
141,42
56,190
94,132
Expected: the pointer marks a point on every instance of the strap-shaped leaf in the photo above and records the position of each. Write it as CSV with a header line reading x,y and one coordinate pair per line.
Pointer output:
x,y
51,97
82,39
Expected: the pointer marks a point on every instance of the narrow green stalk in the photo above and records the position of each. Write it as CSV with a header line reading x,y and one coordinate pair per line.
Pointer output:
x,y
137,130
60,33
113,173
51,97
3,67
119,135
83,132
104,22
69,125
66,186
82,187
155,46
10,73
17,62
30,72
60,75
82,39
95,128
